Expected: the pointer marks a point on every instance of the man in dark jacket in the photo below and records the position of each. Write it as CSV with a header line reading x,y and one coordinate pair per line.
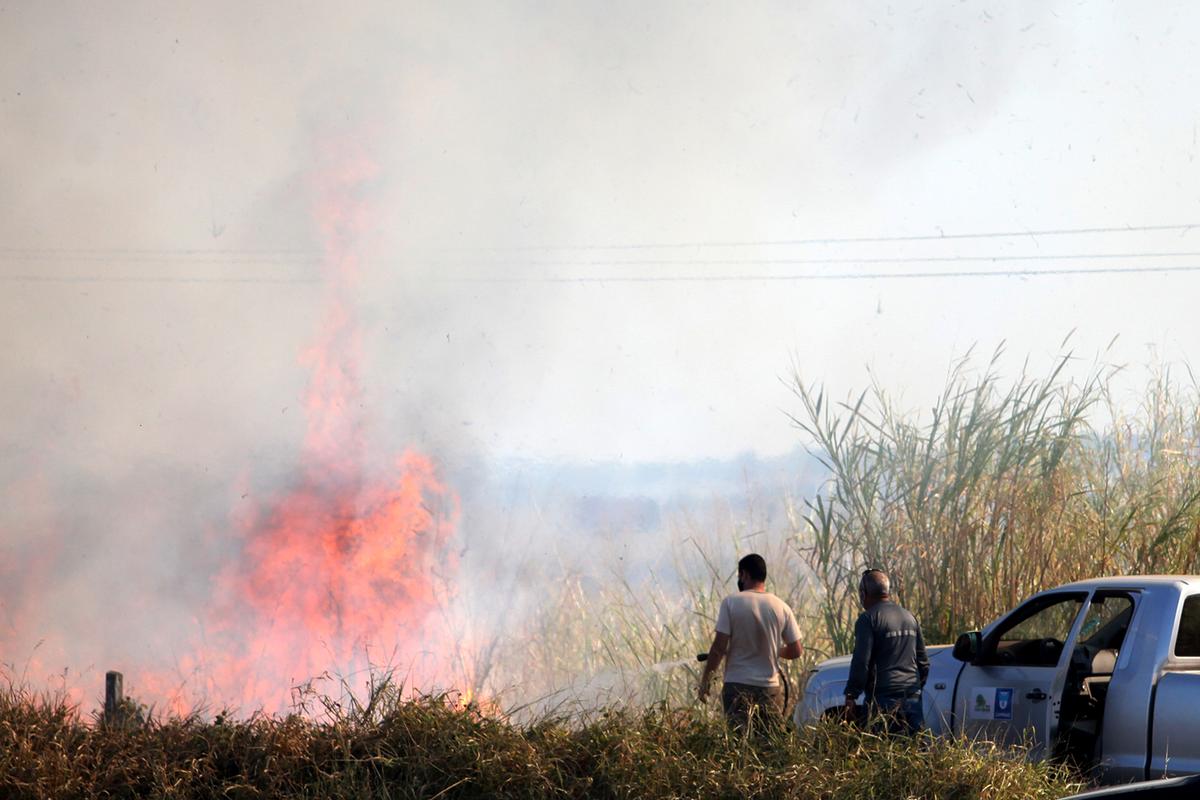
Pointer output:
x,y
889,663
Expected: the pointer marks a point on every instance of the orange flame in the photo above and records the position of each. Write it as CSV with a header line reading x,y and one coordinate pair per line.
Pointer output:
x,y
343,564
341,572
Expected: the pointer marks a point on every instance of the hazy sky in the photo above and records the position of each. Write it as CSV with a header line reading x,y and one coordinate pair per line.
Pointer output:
x,y
158,275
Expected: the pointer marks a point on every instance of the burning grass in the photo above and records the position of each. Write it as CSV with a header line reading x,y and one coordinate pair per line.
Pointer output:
x,y
434,747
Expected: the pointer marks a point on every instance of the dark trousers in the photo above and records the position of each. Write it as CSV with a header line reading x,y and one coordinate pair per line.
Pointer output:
x,y
749,707
903,713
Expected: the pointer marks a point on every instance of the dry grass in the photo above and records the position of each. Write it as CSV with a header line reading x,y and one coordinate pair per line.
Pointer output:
x,y
431,748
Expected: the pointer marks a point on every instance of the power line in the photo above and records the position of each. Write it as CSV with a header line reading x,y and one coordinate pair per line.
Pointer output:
x,y
856,239
164,256
292,254
146,279
998,273
678,261
864,260
135,251
604,279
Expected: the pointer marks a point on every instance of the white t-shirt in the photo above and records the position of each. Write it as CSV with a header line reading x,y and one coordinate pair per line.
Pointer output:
x,y
758,624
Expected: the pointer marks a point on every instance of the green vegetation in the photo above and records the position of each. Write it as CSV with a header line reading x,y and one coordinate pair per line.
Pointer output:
x,y
1005,487
432,748
1000,492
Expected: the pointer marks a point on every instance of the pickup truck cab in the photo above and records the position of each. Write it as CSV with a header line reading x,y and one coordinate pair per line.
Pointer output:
x,y
1105,673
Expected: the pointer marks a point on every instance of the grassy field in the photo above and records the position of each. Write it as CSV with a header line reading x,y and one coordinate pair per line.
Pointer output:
x,y
434,748
1003,487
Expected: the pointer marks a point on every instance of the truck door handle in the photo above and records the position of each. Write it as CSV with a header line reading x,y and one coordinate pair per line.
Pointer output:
x,y
1037,696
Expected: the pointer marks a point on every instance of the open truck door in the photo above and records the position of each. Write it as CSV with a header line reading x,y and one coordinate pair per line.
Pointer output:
x,y
1010,690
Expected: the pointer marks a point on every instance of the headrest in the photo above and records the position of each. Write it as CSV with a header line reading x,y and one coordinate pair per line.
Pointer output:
x,y
1104,662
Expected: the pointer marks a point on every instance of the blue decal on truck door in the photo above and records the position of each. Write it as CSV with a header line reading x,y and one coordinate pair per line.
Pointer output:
x,y
1003,707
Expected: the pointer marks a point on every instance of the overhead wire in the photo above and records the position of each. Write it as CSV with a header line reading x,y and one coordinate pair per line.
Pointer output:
x,y
286,253
855,260
198,256
940,236
26,278
665,261
763,278
616,279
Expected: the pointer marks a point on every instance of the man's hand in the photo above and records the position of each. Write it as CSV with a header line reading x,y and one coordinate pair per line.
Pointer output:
x,y
716,654
850,712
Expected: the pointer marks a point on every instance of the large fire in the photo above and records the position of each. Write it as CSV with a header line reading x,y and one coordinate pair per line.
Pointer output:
x,y
340,573
339,576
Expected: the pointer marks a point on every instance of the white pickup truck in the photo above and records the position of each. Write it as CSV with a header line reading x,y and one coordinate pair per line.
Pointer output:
x,y
1103,672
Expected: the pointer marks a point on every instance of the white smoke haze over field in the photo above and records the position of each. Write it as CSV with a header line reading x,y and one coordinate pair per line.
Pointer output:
x,y
161,268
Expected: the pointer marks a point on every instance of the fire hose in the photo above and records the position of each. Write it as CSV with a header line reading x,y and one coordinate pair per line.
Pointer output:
x,y
787,685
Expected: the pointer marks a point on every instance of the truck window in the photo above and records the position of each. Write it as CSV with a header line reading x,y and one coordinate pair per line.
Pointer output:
x,y
1106,621
1035,634
1187,641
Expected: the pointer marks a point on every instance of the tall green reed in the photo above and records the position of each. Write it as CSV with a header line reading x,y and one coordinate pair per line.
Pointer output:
x,y
1000,490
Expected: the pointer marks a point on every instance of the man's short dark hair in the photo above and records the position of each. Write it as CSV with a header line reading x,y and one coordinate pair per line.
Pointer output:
x,y
875,583
755,567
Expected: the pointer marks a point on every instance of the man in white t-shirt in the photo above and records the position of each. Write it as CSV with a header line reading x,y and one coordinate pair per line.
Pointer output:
x,y
754,630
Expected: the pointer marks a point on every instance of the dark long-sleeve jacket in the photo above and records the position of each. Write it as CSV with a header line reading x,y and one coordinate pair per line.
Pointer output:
x,y
889,653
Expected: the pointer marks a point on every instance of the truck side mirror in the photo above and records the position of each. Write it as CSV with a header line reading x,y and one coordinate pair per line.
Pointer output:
x,y
966,648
